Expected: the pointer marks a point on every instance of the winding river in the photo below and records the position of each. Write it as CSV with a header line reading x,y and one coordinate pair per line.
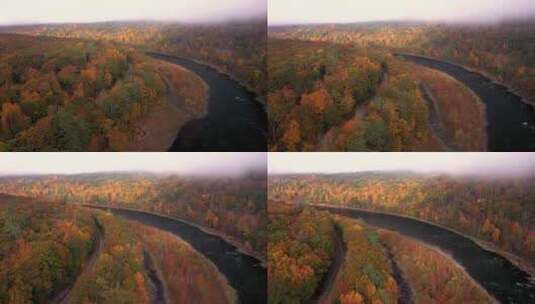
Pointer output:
x,y
244,273
503,280
510,122
236,121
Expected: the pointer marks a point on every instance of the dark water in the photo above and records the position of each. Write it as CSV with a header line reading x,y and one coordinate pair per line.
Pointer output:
x,y
510,122
235,120
503,280
244,273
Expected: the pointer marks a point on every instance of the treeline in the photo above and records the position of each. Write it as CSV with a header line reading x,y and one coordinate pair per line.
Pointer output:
x,y
496,210
300,251
505,51
43,247
72,95
232,206
238,48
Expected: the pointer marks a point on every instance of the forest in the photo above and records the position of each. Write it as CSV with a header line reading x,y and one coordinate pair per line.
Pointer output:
x,y
231,206
300,250
62,253
502,50
237,48
326,96
497,210
378,265
79,95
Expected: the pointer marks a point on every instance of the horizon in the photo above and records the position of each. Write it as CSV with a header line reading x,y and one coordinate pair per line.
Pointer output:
x,y
149,21
410,22
31,12
219,164
486,164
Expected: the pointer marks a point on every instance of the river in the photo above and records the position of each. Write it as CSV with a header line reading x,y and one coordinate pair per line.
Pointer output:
x,y
244,273
503,280
510,122
236,121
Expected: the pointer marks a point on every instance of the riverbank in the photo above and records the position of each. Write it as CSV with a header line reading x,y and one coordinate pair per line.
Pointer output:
x,y
460,110
325,292
235,119
517,261
491,78
187,99
219,70
415,251
231,240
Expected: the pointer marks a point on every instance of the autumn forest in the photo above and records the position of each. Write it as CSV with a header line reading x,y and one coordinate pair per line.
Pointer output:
x,y
348,238
267,152
350,87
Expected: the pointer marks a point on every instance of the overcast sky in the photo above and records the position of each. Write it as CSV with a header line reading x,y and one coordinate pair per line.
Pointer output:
x,y
183,163
345,11
45,11
486,164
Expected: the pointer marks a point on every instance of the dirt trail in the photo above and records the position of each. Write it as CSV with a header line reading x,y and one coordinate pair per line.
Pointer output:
x,y
324,293
159,295
98,245
435,123
406,295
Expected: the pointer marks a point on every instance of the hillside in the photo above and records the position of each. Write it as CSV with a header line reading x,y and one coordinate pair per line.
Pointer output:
x,y
234,207
499,211
78,95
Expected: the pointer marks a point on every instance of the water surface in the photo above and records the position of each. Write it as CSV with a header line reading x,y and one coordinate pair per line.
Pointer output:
x,y
236,121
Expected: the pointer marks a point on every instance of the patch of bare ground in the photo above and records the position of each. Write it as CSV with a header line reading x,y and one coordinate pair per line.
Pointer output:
x,y
459,111
188,276
433,276
327,294
187,99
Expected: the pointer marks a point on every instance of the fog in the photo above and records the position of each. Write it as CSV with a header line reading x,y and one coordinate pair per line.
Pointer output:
x,y
478,164
62,11
282,12
204,164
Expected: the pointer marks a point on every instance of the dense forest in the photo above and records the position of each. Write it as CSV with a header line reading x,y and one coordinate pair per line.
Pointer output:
x,y
366,275
496,210
233,206
43,246
505,51
237,48
300,250
375,263
78,95
332,97
61,253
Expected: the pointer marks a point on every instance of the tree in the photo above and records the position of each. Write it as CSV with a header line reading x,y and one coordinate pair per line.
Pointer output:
x,y
292,136
13,120
70,132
